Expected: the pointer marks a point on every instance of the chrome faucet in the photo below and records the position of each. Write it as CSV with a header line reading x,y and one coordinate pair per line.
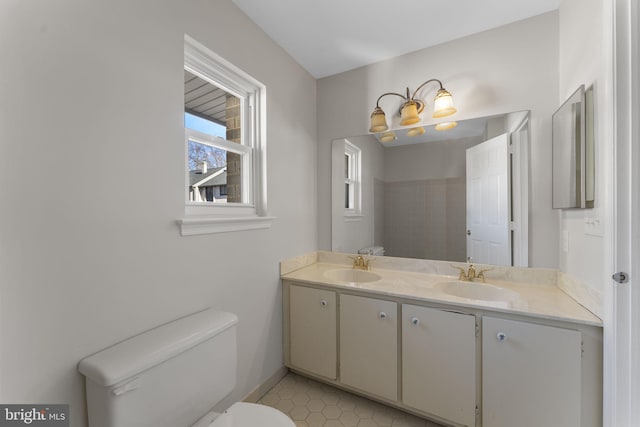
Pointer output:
x,y
470,275
359,263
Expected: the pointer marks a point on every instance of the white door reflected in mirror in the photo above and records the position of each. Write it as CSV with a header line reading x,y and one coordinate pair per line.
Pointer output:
x,y
488,188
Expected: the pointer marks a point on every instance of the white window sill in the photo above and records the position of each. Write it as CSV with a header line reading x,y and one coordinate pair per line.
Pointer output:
x,y
193,226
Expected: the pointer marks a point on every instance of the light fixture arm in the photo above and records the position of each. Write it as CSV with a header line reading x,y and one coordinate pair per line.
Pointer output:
x,y
405,98
415,92
391,93
408,97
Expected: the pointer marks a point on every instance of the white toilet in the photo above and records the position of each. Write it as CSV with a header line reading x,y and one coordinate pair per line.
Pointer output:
x,y
172,376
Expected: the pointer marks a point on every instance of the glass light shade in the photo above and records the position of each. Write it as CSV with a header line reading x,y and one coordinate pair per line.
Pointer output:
x,y
415,131
388,137
446,125
409,113
443,104
378,121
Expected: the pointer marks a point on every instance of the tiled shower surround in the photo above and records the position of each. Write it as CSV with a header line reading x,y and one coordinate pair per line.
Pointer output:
x,y
424,219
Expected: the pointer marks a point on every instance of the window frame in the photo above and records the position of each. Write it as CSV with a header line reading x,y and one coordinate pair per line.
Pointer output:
x,y
205,218
353,177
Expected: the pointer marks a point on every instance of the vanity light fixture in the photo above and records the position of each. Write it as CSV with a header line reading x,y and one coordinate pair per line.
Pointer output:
x,y
388,137
419,130
446,125
412,107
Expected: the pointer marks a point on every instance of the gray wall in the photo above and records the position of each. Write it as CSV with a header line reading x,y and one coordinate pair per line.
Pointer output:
x,y
90,113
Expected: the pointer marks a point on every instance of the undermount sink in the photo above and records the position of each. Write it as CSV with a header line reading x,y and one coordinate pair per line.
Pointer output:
x,y
477,291
352,275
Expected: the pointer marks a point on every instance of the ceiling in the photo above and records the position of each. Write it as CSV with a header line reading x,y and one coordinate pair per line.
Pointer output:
x,y
328,37
203,99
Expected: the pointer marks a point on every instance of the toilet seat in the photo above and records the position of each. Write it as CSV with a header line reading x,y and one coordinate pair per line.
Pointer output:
x,y
243,414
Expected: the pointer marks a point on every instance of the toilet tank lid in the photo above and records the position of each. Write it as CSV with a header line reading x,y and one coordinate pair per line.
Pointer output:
x,y
148,349
370,250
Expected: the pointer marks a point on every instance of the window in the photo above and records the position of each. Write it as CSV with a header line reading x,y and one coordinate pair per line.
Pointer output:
x,y
212,163
225,145
352,179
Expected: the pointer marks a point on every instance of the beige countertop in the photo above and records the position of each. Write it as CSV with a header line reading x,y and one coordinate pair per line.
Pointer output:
x,y
540,300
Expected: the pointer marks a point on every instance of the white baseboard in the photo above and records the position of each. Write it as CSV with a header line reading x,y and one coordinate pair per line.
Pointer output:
x,y
267,385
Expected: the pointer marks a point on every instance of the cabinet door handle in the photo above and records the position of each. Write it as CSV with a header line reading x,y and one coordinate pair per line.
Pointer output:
x,y
415,321
501,336
382,315
324,303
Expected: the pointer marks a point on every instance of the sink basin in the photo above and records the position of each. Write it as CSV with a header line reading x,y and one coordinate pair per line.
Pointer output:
x,y
477,291
352,276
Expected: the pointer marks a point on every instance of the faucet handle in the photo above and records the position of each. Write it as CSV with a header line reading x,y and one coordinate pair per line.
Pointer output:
x,y
463,273
480,274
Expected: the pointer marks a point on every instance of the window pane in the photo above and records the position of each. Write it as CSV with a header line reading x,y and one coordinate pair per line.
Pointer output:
x,y
204,126
214,174
205,100
349,196
212,110
346,195
346,166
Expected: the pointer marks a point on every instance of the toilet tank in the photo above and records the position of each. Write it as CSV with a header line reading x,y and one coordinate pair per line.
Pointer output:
x,y
168,376
372,250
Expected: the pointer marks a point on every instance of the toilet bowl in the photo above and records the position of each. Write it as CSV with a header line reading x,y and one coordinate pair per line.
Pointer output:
x,y
170,376
243,414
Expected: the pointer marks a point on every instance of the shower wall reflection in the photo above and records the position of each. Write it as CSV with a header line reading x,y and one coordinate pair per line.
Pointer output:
x,y
425,219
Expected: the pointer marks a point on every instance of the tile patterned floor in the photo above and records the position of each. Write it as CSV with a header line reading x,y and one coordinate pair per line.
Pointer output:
x,y
313,404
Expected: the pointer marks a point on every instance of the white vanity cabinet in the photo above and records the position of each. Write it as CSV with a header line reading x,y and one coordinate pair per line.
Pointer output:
x,y
456,365
369,345
313,330
531,375
439,363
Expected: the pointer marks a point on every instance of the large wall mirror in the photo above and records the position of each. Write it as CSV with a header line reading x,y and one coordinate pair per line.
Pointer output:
x,y
457,195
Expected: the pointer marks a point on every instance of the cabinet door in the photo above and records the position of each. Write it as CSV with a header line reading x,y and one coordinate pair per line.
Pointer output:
x,y
369,345
439,363
530,375
312,330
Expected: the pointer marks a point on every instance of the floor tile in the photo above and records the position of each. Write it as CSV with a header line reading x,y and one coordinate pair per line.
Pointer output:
x,y
312,404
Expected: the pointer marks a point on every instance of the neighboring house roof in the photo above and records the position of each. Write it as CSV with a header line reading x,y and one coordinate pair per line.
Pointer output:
x,y
214,176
